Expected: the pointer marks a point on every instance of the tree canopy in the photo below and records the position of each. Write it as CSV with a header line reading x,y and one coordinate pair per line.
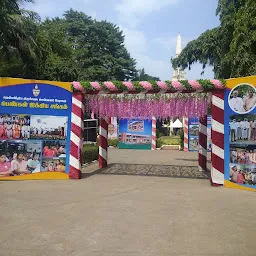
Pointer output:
x,y
231,47
74,47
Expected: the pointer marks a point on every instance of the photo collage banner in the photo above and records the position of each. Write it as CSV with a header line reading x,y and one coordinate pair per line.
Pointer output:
x,y
240,133
34,129
193,134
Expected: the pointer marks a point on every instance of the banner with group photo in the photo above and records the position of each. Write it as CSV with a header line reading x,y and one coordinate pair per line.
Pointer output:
x,y
34,129
193,134
240,133
135,134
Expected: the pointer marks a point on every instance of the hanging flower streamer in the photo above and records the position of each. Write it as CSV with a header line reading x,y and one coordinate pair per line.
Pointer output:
x,y
148,106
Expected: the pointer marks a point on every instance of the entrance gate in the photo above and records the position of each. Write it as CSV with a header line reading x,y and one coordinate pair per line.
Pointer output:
x,y
213,88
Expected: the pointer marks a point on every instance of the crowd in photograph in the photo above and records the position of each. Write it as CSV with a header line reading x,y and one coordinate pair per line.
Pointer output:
x,y
26,163
243,129
238,156
53,166
14,127
243,175
53,149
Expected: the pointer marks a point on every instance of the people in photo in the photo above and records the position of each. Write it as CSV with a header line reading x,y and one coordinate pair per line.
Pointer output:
x,y
19,165
8,130
234,174
5,167
34,164
250,101
233,130
236,103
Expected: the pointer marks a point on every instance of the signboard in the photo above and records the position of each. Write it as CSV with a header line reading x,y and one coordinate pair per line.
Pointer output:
x,y
135,134
193,134
240,133
112,128
34,129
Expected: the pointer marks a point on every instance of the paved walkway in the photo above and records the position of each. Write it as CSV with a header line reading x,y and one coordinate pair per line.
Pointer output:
x,y
113,215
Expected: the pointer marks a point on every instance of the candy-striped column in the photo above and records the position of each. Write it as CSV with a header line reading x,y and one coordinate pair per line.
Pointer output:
x,y
185,123
76,137
217,155
202,152
153,143
103,145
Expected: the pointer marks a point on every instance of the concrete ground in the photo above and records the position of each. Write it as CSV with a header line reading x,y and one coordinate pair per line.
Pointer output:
x,y
108,215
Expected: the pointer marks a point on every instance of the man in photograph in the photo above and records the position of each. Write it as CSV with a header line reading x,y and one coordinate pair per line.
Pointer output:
x,y
249,101
245,129
236,103
253,129
233,129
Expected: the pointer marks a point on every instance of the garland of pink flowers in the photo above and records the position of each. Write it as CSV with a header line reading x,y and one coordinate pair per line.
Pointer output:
x,y
161,107
183,86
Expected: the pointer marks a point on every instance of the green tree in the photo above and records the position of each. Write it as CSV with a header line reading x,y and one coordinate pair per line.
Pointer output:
x,y
231,47
142,76
98,48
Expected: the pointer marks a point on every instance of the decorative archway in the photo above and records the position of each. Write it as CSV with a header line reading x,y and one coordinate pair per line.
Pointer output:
x,y
152,90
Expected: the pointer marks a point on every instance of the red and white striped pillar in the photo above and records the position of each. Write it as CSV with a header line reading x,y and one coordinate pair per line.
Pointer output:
x,y
217,155
153,143
103,143
202,152
185,123
76,137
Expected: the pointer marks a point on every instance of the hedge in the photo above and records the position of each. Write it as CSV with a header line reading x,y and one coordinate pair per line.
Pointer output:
x,y
90,153
167,140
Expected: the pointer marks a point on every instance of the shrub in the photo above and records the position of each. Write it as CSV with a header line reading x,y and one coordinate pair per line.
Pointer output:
x,y
167,140
113,142
90,153
181,138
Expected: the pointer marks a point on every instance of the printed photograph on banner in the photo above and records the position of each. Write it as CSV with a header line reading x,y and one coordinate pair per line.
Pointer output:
x,y
14,127
19,157
135,126
48,127
242,129
193,130
242,174
53,165
193,143
243,154
242,98
54,149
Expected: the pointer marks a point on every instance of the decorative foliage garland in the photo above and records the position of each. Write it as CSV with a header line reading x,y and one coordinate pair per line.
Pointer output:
x,y
149,86
146,106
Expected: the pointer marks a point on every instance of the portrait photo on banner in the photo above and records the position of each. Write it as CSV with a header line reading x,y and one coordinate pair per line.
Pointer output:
x,y
242,98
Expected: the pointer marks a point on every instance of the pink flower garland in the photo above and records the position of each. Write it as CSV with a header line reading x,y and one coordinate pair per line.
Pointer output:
x,y
129,86
177,85
146,85
217,83
110,86
96,86
195,85
162,85
78,86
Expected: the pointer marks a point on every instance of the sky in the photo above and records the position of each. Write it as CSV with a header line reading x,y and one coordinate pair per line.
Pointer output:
x,y
150,27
